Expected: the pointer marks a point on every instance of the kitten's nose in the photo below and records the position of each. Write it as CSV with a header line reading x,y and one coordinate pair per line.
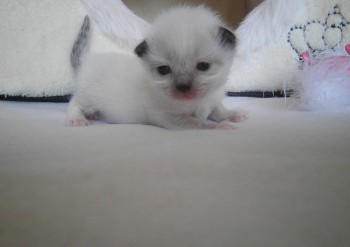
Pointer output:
x,y
183,87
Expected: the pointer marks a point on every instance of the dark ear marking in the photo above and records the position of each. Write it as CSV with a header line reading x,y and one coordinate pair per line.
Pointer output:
x,y
227,38
141,49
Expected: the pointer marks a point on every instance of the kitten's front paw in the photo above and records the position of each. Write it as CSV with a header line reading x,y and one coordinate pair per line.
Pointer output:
x,y
78,123
238,117
225,125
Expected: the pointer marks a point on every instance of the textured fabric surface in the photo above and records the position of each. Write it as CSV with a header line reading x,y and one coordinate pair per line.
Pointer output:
x,y
36,41
280,179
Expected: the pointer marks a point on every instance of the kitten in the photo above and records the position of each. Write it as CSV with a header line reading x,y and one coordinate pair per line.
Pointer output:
x,y
174,80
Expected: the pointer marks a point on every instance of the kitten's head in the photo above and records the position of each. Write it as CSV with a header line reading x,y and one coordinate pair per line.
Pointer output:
x,y
188,52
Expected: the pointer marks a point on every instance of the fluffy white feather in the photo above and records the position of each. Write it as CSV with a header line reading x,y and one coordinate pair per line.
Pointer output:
x,y
324,82
265,24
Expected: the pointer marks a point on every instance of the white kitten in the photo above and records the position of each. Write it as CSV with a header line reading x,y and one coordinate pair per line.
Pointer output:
x,y
174,81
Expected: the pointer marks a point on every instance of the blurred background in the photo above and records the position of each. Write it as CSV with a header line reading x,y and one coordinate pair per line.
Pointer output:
x,y
232,11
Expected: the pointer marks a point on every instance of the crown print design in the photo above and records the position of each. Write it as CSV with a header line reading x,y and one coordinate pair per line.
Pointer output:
x,y
317,36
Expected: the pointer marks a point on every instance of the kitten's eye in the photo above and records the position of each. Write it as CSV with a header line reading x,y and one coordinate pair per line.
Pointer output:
x,y
164,70
203,66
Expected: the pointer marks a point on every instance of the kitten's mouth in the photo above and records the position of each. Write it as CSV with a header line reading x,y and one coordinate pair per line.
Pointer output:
x,y
186,96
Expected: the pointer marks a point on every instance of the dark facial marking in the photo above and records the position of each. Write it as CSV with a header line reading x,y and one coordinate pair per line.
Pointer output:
x,y
227,38
141,49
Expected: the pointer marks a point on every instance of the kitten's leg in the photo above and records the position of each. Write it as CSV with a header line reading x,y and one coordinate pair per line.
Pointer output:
x,y
75,115
220,113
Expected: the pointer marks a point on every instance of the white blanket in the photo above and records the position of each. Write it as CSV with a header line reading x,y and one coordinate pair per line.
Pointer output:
x,y
281,179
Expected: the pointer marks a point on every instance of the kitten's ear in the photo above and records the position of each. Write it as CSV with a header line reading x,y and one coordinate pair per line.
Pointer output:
x,y
141,49
227,38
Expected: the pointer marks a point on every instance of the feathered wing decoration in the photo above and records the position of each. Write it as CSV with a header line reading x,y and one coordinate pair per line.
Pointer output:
x,y
324,81
266,24
117,21
261,27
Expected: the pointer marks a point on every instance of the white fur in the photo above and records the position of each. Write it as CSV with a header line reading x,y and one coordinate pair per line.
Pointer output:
x,y
121,89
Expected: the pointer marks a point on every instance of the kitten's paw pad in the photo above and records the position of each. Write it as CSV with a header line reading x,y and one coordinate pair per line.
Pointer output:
x,y
78,123
238,117
225,125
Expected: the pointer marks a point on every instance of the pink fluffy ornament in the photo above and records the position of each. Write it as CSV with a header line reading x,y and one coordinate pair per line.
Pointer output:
x,y
324,81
